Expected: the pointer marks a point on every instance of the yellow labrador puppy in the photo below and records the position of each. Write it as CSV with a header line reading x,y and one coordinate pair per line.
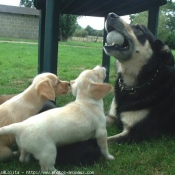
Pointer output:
x,y
77,121
4,98
45,86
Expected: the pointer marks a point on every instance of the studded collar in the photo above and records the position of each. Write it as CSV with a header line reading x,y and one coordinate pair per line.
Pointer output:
x,y
133,90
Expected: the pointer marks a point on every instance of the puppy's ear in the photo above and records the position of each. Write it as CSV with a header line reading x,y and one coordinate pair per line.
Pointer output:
x,y
99,91
164,52
45,89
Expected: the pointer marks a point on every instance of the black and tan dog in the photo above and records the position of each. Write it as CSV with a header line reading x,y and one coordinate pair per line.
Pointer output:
x,y
144,102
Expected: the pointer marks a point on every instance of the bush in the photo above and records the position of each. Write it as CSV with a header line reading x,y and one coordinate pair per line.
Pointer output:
x,y
81,33
170,41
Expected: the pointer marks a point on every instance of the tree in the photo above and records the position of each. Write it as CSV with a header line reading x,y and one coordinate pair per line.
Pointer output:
x,y
68,23
169,12
166,25
140,18
27,3
81,33
90,30
93,32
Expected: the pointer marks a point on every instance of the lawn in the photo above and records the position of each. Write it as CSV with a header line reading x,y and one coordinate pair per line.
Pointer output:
x,y
18,65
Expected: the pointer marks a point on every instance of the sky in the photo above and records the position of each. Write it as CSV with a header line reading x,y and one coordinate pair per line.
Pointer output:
x,y
95,22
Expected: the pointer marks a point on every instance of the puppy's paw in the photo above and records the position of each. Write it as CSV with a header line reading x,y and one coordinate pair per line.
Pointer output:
x,y
27,158
110,157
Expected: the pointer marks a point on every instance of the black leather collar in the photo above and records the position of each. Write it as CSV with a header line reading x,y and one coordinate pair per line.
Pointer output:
x,y
133,90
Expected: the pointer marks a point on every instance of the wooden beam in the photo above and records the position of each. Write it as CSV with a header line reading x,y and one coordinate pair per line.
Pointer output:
x,y
41,41
153,16
105,57
51,36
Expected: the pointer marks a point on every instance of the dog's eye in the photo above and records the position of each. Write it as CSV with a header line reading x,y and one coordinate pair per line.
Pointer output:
x,y
138,30
58,83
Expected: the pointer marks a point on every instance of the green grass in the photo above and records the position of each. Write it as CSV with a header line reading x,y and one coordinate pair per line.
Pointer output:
x,y
81,43
18,39
18,65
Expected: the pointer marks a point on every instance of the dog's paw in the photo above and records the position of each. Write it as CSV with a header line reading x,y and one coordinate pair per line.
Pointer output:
x,y
110,157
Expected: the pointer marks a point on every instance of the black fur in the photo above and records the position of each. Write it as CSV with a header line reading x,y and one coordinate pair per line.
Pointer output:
x,y
47,105
81,153
154,90
158,97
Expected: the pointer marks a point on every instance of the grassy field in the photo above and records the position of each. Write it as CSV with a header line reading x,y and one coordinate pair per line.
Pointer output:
x,y
18,65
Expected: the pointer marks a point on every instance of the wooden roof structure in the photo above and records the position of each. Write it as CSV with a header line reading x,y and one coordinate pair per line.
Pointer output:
x,y
50,11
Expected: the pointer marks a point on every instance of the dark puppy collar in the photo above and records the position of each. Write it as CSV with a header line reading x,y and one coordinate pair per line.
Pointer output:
x,y
132,90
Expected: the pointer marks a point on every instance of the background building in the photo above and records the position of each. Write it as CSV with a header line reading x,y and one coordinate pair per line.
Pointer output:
x,y
18,22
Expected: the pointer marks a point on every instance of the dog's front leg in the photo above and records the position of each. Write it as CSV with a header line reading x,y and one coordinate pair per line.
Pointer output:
x,y
102,143
24,156
112,116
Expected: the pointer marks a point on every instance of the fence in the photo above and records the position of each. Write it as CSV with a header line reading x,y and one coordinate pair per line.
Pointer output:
x,y
87,39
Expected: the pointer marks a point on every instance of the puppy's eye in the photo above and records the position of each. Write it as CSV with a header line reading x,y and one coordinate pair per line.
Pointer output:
x,y
58,82
96,73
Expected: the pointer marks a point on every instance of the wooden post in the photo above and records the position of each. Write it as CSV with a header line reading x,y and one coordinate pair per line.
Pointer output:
x,y
106,58
51,36
41,40
153,16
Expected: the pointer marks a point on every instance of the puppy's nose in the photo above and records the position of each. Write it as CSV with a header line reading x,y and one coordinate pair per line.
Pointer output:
x,y
112,16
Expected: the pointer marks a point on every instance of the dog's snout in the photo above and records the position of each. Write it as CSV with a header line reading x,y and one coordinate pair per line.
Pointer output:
x,y
112,16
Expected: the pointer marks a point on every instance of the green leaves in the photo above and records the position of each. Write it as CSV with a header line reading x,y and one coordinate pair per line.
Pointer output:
x,y
166,23
68,24
26,3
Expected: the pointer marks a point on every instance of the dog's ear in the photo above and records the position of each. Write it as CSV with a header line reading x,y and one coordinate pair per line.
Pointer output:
x,y
164,52
45,89
99,91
